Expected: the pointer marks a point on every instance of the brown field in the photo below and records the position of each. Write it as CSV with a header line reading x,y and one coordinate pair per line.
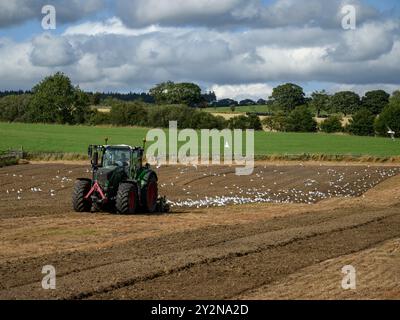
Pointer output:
x,y
283,233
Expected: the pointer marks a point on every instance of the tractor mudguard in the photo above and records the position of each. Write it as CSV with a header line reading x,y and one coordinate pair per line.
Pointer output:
x,y
146,175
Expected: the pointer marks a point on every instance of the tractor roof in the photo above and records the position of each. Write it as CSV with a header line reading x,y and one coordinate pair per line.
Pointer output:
x,y
120,146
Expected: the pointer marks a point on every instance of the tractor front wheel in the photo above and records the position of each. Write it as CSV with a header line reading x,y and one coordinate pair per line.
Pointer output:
x,y
127,198
81,189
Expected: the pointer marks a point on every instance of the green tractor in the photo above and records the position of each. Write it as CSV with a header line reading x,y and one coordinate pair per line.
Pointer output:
x,y
120,183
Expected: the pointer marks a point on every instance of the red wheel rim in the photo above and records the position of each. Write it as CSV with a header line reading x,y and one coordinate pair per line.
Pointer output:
x,y
132,200
151,195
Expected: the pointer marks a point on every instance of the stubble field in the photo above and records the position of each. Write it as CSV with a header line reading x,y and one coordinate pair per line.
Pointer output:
x,y
284,232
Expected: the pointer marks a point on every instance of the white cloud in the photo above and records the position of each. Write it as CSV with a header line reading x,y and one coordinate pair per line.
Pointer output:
x,y
113,25
368,42
243,91
16,69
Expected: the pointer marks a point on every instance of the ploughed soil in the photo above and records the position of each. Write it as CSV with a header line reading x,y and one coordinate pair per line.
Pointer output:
x,y
285,232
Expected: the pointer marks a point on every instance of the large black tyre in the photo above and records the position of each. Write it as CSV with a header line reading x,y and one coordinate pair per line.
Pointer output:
x,y
150,194
127,198
81,189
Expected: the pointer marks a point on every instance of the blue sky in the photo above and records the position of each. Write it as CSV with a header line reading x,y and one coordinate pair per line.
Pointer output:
x,y
239,48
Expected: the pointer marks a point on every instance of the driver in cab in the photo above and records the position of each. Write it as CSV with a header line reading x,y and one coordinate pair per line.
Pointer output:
x,y
123,161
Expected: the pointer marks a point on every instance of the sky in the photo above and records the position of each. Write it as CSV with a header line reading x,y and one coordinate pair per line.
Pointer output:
x,y
238,48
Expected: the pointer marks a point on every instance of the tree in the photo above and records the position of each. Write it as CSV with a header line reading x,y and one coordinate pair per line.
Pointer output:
x,y
226,103
276,122
176,93
96,98
389,119
375,101
320,101
288,96
162,92
209,97
247,102
255,122
206,120
129,114
332,124
52,100
362,123
245,122
14,107
395,96
301,120
98,118
346,102
81,106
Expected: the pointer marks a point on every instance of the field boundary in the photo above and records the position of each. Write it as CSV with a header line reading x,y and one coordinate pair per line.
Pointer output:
x,y
60,156
55,156
328,158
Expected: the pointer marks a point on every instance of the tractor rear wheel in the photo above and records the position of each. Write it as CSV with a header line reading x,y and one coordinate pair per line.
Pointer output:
x,y
81,189
150,195
127,198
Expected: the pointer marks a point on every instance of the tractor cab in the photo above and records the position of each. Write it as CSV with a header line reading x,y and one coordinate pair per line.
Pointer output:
x,y
119,156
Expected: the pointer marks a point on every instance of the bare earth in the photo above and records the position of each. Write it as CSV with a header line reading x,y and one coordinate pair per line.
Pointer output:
x,y
283,233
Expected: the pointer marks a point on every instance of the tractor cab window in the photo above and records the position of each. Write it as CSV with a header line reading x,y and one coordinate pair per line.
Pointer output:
x,y
116,157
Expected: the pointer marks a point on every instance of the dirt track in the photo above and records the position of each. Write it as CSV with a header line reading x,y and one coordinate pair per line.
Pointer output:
x,y
274,246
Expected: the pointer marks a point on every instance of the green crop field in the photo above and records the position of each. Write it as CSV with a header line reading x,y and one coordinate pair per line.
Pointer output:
x,y
75,139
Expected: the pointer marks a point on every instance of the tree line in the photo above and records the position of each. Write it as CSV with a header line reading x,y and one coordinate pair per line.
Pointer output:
x,y
56,100
102,98
375,113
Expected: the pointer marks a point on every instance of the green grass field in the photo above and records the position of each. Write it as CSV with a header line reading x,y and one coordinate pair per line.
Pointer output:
x,y
75,139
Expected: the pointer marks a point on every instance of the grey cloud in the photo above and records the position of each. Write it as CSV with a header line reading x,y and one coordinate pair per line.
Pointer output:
x,y
14,12
245,13
206,13
51,51
206,57
73,10
139,13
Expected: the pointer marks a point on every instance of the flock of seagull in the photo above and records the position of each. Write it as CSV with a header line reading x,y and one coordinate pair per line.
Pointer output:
x,y
312,192
308,191
37,188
